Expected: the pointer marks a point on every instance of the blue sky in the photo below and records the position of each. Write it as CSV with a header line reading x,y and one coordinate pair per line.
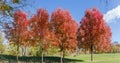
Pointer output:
x,y
77,9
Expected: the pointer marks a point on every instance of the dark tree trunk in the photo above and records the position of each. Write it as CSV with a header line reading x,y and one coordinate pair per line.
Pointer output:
x,y
42,56
91,52
63,54
17,54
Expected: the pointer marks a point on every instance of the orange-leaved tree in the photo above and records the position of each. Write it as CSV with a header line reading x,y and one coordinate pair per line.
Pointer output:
x,y
39,26
93,32
15,31
65,29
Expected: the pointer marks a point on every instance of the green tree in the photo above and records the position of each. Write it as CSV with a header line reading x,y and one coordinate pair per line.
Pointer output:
x,y
11,50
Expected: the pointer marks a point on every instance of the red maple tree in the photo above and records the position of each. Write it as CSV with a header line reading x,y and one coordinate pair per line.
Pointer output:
x,y
65,29
39,26
16,31
93,32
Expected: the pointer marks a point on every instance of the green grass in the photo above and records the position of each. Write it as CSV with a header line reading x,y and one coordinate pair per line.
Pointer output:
x,y
98,58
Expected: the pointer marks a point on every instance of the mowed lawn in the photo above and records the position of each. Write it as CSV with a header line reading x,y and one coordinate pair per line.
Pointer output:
x,y
98,58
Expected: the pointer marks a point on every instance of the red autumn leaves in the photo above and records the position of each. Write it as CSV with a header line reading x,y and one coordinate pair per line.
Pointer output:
x,y
39,25
93,31
60,30
65,29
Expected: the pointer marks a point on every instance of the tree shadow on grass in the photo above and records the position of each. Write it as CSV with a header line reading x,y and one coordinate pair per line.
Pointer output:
x,y
34,59
48,59
52,59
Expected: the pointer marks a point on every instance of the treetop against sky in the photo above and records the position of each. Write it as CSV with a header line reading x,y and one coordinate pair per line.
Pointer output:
x,y
111,10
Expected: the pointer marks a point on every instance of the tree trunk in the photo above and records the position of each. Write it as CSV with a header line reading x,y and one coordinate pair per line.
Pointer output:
x,y
42,56
42,59
25,51
61,54
91,52
17,54
22,51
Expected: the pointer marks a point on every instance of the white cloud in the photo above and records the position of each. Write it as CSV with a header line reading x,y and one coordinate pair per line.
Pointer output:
x,y
113,14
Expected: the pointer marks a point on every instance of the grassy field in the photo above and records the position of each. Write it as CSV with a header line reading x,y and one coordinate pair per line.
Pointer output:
x,y
98,58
